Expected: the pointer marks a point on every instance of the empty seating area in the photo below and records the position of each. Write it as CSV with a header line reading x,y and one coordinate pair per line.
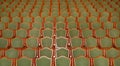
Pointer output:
x,y
59,32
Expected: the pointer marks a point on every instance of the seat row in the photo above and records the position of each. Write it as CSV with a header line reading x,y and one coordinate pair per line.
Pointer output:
x,y
72,7
60,42
78,52
61,61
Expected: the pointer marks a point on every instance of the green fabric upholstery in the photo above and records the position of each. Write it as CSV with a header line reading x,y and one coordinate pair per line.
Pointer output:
x,y
27,19
61,42
92,19
78,52
60,19
112,53
17,43
84,25
62,61
35,33
3,43
82,19
101,61
30,53
91,42
46,42
106,14
48,25
34,14
24,62
17,19
61,32
117,61
37,25
24,14
3,14
62,52
21,33
49,19
25,25
13,26
103,19
48,32
95,52
71,19
86,33
115,19
114,33
32,42
75,14
43,61
2,26
73,33
96,25
43,14
60,25
15,14
5,62
84,14
38,19
5,19
72,25
55,14
106,42
12,53
65,14
100,33
7,33
46,52
108,25
82,61
76,42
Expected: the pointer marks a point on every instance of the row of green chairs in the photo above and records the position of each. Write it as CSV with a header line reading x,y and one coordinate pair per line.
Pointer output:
x,y
25,26
68,2
8,33
113,33
30,42
97,5
60,61
90,42
104,18
95,52
62,10
60,42
78,52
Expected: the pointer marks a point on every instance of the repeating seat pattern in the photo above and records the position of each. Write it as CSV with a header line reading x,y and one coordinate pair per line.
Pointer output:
x,y
59,32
